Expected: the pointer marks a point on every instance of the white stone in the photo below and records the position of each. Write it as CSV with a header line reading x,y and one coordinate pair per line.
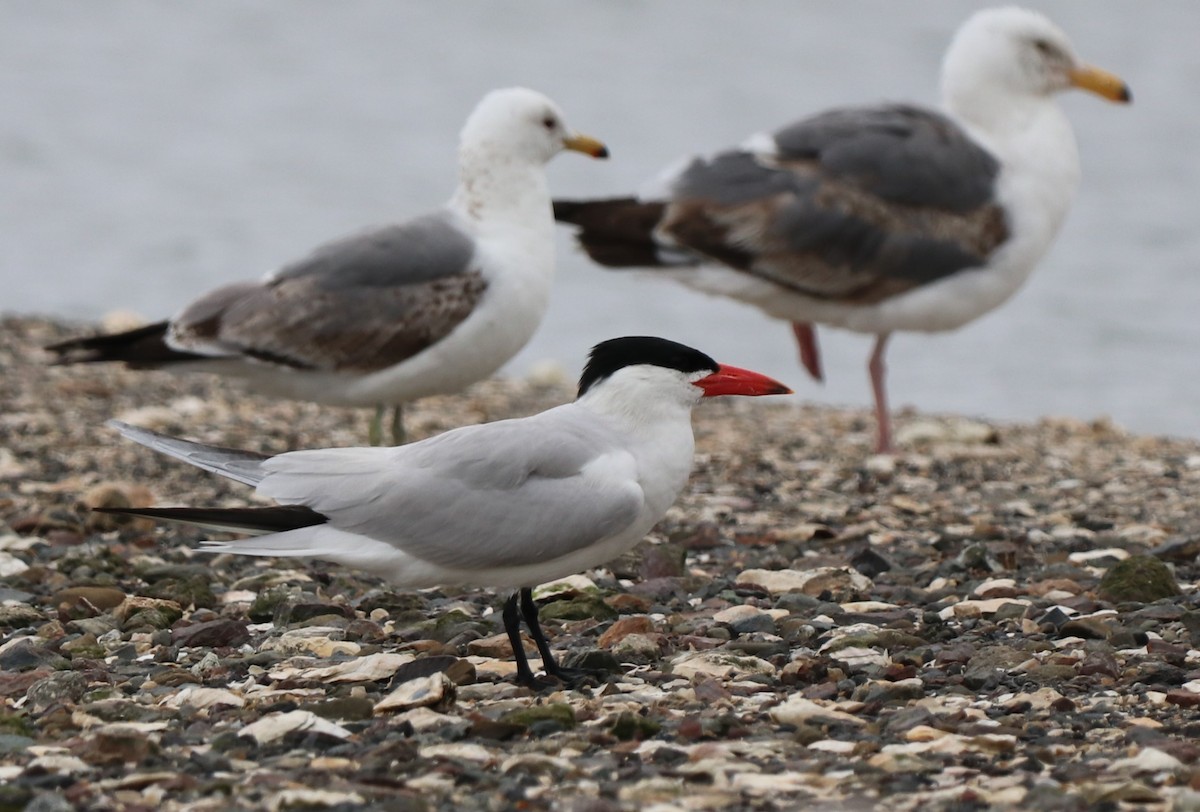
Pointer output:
x,y
862,607
537,762
1148,760
467,752
571,585
422,692
58,763
196,696
277,725
978,608
291,798
718,664
298,641
834,746
371,668
425,719
994,583
798,710
11,565
859,657
1087,556
736,613
810,582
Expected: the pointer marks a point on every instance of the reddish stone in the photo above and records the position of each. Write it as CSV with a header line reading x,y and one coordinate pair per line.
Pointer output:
x,y
636,624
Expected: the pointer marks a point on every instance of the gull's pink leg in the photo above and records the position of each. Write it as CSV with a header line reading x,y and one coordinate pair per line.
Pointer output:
x,y
883,420
810,353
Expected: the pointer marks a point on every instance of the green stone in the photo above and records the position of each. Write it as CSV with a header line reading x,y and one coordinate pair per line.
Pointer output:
x,y
527,717
630,726
583,607
1139,578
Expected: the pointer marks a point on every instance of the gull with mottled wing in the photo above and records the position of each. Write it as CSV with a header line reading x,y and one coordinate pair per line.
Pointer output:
x,y
509,504
876,219
395,313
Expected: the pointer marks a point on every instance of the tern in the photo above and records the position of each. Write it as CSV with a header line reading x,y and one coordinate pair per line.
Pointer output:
x,y
398,312
876,219
509,504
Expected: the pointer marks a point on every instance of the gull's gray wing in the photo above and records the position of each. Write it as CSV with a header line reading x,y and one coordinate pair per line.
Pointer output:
x,y
359,304
851,205
503,494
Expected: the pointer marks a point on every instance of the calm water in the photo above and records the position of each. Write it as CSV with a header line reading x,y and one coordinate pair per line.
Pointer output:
x,y
151,150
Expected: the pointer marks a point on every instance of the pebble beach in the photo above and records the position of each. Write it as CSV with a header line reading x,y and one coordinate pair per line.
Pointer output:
x,y
1001,616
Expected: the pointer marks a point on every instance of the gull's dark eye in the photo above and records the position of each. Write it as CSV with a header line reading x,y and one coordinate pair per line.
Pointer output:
x,y
549,122
1044,47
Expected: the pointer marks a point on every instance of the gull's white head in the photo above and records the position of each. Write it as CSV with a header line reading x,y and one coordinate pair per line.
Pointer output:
x,y
1008,54
522,124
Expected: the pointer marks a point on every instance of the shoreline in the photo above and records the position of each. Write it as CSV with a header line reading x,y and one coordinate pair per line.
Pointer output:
x,y
969,644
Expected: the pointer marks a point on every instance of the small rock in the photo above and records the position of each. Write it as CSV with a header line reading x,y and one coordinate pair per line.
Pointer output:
x,y
116,745
86,601
584,607
11,565
195,696
544,717
371,668
277,725
433,691
297,609
622,628
1183,698
425,667
24,654
19,616
569,587
498,645
840,584
1140,578
662,561
720,664
60,687
1148,760
220,633
640,649
343,708
633,727
798,710
1088,628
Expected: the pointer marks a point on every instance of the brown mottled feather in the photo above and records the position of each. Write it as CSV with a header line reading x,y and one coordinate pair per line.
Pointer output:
x,y
298,322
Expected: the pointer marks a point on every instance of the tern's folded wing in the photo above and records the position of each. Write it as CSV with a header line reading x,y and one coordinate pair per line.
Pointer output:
x,y
510,493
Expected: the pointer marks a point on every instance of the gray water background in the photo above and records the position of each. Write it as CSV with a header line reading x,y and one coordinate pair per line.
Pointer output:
x,y
150,151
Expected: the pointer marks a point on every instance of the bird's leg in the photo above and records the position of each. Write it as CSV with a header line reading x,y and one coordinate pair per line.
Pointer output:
x,y
569,676
810,352
399,436
512,626
375,431
883,420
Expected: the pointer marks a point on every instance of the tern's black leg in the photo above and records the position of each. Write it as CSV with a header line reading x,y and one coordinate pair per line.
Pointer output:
x,y
512,626
530,612
569,676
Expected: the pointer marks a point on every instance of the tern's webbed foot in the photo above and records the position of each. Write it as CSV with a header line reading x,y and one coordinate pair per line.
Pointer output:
x,y
563,677
579,677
